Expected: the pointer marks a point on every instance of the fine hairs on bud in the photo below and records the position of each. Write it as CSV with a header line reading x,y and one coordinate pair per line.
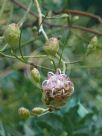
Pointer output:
x,y
51,46
23,113
35,75
12,34
37,111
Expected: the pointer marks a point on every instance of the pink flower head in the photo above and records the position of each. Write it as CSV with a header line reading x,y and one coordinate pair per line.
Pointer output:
x,y
58,86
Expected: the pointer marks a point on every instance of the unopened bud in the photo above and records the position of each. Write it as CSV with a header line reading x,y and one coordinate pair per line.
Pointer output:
x,y
12,34
75,18
52,46
23,112
37,111
94,40
92,46
35,75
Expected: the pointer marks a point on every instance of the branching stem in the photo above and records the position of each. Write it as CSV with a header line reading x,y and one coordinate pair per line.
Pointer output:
x,y
41,29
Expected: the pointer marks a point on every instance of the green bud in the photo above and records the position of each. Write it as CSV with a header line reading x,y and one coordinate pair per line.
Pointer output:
x,y
52,46
12,34
92,46
23,112
37,111
93,43
35,75
75,18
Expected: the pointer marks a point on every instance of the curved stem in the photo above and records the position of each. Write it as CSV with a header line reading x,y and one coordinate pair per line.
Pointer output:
x,y
5,55
23,44
44,113
9,56
57,16
20,46
63,62
41,29
20,23
78,12
1,50
53,62
3,7
30,63
82,13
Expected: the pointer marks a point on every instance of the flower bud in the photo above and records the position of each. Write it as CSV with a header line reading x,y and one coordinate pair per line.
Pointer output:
x,y
92,46
93,43
12,34
35,75
23,112
37,111
51,46
75,18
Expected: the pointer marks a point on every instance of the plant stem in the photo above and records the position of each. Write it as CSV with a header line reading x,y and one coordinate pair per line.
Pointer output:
x,y
53,62
81,28
82,13
44,113
9,56
3,7
78,12
20,23
1,50
23,7
41,29
23,44
63,62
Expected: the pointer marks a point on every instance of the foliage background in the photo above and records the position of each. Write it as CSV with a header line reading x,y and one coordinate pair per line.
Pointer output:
x,y
82,115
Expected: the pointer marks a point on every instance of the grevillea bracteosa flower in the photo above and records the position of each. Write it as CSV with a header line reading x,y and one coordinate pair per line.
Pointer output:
x,y
57,89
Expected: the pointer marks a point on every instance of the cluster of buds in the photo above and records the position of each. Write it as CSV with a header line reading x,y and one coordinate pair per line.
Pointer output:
x,y
57,89
25,113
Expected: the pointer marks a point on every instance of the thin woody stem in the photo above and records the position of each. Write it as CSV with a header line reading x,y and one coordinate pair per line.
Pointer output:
x,y
3,7
40,19
63,63
82,13
39,11
94,31
29,63
44,113
23,7
1,50
77,12
20,23
13,57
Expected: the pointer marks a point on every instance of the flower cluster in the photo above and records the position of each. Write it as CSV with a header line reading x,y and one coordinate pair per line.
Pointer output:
x,y
57,89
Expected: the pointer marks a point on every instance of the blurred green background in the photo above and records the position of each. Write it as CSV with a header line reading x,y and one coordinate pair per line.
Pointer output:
x,y
82,114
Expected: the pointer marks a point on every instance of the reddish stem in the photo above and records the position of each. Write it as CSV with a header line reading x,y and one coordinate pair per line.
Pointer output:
x,y
82,13
75,12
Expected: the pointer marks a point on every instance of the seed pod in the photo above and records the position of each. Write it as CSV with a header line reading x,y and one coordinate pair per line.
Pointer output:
x,y
51,46
12,34
35,75
23,112
37,111
57,89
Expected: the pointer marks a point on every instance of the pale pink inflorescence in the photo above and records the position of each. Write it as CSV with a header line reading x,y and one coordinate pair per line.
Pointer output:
x,y
58,86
